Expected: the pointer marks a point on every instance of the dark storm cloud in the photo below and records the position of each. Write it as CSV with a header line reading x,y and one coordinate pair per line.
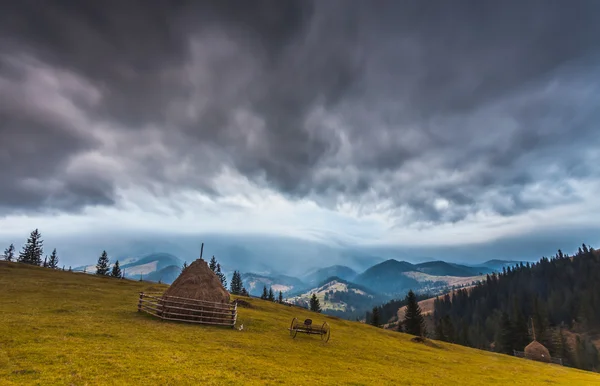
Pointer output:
x,y
440,109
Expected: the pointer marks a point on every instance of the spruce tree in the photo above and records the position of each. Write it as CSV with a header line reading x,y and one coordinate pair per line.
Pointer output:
x,y
221,276
213,264
265,294
53,262
45,263
448,329
271,295
244,292
9,253
413,320
505,337
375,317
102,267
280,297
33,249
116,270
236,283
315,306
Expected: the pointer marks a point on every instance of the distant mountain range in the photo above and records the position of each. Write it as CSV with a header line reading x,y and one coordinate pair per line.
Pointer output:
x,y
344,291
339,297
254,283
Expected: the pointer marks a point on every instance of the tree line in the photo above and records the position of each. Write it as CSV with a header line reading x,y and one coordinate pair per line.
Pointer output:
x,y
547,300
413,322
32,253
33,250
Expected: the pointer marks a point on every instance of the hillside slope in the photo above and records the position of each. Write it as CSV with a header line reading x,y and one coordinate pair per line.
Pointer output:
x,y
442,268
255,283
317,276
71,328
339,297
388,278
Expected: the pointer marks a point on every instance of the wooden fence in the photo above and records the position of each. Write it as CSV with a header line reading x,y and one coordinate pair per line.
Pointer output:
x,y
522,354
188,310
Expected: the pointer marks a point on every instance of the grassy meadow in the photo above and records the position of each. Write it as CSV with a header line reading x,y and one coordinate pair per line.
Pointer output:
x,y
75,329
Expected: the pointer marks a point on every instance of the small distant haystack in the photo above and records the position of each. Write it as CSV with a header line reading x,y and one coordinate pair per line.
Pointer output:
x,y
536,351
198,282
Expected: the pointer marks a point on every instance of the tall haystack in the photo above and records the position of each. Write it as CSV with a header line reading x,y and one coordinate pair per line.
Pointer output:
x,y
199,282
536,351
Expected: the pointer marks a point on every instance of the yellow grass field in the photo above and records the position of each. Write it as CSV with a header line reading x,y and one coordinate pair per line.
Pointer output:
x,y
74,329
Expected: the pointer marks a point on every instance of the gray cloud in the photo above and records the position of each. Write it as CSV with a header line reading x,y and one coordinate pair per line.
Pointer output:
x,y
439,111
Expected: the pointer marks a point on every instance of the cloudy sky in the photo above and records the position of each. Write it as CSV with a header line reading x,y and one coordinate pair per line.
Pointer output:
x,y
404,123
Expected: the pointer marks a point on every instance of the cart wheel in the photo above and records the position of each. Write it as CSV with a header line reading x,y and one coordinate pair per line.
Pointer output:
x,y
325,332
294,328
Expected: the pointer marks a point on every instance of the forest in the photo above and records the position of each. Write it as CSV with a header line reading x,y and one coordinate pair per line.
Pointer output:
x,y
555,301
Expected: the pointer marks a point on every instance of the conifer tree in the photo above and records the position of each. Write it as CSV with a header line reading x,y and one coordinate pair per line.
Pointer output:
x,y
102,267
33,249
236,283
116,270
213,264
244,292
271,295
448,329
9,253
315,306
439,331
221,276
45,263
185,265
265,294
70,269
413,320
53,262
280,297
375,317
505,337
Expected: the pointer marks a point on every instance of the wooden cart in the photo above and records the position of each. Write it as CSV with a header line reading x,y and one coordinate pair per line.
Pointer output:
x,y
307,327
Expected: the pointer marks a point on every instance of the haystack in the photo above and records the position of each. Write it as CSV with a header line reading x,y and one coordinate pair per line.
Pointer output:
x,y
536,351
199,282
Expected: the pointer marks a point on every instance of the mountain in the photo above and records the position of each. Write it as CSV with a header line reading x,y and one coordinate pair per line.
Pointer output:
x,y
166,275
318,275
441,268
150,263
69,330
497,265
387,277
339,297
255,282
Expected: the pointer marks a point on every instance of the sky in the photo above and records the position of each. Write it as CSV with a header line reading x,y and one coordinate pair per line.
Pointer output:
x,y
405,124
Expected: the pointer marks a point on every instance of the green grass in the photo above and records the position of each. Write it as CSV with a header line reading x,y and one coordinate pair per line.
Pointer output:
x,y
67,328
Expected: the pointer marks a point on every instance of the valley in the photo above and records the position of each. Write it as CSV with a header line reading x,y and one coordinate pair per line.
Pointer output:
x,y
58,336
341,290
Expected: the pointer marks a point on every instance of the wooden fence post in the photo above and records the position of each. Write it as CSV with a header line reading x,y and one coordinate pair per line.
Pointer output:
x,y
140,302
234,315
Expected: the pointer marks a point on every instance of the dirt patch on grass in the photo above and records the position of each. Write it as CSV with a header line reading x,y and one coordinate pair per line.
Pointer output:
x,y
243,303
425,341
25,372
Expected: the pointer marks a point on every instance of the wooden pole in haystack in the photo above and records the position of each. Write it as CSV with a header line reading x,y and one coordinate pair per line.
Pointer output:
x,y
201,250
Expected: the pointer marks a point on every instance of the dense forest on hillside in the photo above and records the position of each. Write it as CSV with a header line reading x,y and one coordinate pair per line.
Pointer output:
x,y
557,299
389,311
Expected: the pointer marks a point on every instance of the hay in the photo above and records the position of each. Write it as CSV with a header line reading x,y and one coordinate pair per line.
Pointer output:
x,y
537,352
198,282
